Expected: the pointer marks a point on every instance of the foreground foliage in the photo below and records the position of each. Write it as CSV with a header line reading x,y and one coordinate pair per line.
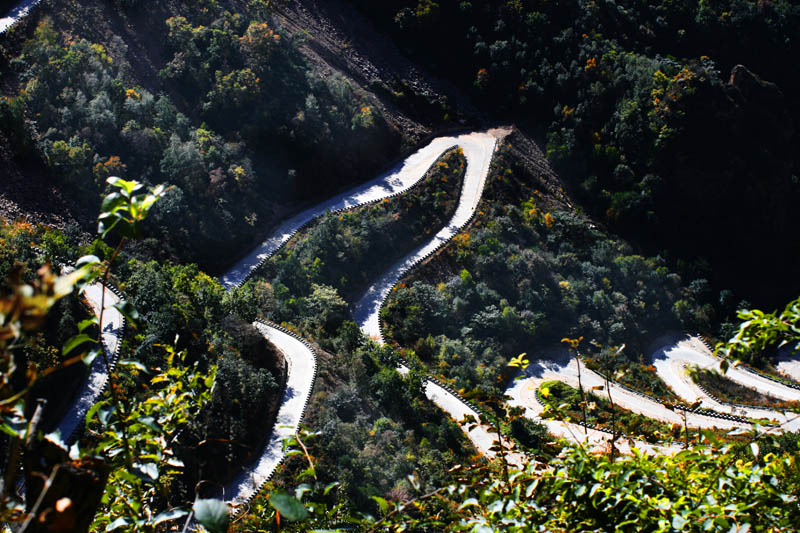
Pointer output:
x,y
706,488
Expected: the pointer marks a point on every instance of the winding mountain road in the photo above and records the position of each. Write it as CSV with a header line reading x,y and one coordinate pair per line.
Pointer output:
x,y
562,367
396,181
302,369
19,12
523,394
478,149
672,359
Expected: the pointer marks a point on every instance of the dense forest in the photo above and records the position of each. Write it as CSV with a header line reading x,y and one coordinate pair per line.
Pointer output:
x,y
673,122
148,146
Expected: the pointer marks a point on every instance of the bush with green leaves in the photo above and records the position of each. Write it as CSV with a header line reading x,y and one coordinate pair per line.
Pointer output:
x,y
761,335
524,274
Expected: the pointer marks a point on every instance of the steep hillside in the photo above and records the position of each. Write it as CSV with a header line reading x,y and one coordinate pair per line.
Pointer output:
x,y
308,99
674,123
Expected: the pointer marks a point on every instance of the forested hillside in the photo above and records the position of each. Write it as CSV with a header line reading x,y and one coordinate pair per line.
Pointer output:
x,y
615,182
673,122
221,105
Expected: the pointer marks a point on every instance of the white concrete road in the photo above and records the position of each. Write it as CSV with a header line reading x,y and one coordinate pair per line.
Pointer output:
x,y
299,381
478,150
93,386
562,367
402,177
673,357
20,11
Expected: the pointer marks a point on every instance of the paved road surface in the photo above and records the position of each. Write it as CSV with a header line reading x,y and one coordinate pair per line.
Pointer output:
x,y
93,386
20,11
299,381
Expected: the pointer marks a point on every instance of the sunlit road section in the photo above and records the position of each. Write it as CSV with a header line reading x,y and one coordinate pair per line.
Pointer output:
x,y
96,382
20,11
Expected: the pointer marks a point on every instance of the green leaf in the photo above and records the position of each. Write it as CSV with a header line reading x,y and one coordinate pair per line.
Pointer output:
x,y
288,506
177,463
112,203
166,516
150,422
76,341
128,311
678,522
149,470
135,364
754,449
93,411
468,502
308,472
212,515
330,487
87,260
302,489
14,426
118,523
383,504
128,187
90,356
105,224
105,412
83,324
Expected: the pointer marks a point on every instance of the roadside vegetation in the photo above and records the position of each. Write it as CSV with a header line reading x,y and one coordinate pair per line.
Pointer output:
x,y
526,273
727,390
645,115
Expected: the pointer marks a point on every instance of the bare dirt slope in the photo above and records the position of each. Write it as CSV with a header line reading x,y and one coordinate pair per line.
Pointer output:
x,y
339,39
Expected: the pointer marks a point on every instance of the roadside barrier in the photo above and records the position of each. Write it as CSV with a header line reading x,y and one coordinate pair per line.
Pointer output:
x,y
244,506
20,11
113,356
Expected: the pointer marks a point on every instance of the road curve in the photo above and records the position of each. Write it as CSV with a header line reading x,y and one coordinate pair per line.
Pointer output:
x,y
563,367
301,371
478,150
19,12
523,394
397,180
93,386
672,358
